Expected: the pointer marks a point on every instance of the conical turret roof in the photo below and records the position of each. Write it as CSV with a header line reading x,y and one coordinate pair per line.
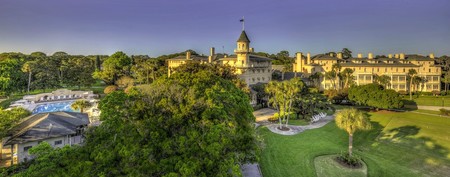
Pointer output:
x,y
243,37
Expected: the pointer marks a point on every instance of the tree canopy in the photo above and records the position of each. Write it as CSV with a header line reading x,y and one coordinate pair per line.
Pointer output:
x,y
191,124
375,95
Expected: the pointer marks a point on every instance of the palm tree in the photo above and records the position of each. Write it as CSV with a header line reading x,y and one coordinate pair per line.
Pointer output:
x,y
27,68
352,120
331,75
347,74
80,105
411,74
335,72
315,79
446,80
383,80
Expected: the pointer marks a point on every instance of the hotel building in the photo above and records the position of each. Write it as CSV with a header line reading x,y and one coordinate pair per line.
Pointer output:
x,y
365,69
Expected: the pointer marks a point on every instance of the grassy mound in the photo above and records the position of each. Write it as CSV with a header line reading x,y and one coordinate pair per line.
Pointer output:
x,y
328,166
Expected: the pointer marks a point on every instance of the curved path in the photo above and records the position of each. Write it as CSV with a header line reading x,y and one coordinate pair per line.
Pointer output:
x,y
293,130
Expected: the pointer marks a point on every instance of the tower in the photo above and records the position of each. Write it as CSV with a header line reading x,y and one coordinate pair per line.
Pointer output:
x,y
243,49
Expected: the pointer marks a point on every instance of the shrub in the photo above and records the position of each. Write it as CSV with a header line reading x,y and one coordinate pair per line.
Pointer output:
x,y
352,161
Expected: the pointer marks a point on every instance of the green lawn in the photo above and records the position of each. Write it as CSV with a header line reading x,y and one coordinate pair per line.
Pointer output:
x,y
400,144
298,122
327,166
428,111
428,101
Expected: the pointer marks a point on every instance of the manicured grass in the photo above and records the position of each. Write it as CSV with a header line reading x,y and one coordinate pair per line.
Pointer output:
x,y
327,166
428,100
400,144
298,122
428,111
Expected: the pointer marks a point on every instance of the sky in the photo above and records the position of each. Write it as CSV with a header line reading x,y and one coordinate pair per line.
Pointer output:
x,y
157,27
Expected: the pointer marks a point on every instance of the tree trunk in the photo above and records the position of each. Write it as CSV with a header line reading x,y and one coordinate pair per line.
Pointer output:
x,y
148,77
346,83
350,144
282,76
410,89
29,82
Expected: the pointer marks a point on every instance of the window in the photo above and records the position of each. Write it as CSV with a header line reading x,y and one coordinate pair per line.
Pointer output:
x,y
435,87
429,70
25,149
435,78
58,142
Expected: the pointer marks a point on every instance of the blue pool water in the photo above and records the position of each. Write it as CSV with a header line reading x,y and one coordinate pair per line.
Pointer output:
x,y
54,107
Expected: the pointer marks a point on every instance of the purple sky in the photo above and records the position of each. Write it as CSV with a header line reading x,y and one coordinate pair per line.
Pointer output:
x,y
166,26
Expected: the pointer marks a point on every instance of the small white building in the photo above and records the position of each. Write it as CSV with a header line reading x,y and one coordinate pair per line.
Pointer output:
x,y
56,128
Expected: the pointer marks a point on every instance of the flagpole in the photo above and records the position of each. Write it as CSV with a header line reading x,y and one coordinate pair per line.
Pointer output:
x,y
243,24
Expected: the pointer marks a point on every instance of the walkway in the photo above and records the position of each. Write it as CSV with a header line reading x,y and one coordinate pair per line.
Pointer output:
x,y
293,130
432,108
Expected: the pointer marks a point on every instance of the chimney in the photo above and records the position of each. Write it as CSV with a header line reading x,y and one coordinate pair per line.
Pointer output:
x,y
308,58
402,55
370,55
251,50
431,55
188,55
390,55
360,55
397,56
212,51
298,62
211,54
339,55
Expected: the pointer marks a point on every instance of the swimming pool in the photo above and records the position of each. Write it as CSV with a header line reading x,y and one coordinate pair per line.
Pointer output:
x,y
54,107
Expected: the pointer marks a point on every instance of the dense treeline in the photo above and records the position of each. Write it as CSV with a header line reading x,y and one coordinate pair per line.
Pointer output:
x,y
196,123
22,73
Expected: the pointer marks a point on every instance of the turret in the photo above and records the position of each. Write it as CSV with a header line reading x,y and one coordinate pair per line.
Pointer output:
x,y
243,49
